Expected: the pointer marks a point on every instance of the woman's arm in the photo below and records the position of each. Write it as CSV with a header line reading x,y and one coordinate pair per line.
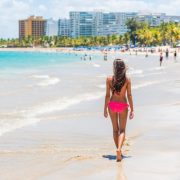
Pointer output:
x,y
130,99
107,98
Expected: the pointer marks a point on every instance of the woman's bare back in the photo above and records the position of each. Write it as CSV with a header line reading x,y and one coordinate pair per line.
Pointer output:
x,y
118,96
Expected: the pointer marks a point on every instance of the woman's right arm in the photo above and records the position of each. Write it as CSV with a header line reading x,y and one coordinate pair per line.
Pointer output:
x,y
107,98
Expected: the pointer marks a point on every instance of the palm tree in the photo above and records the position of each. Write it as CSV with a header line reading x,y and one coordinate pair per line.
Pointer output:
x,y
145,36
126,39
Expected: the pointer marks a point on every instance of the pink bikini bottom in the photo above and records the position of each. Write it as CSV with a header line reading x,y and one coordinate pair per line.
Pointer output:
x,y
117,106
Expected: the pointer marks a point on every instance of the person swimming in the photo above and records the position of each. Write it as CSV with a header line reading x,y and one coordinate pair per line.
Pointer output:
x,y
117,86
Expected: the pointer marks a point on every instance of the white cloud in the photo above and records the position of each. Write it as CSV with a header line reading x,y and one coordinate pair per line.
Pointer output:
x,y
13,10
169,7
10,14
42,8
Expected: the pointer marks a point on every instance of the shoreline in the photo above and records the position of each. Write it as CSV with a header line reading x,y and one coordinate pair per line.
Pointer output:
x,y
71,50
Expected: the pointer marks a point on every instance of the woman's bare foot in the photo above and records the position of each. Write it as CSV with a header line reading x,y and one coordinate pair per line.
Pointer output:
x,y
119,155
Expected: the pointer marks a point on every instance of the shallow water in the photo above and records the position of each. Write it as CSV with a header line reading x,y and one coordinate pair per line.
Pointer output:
x,y
35,84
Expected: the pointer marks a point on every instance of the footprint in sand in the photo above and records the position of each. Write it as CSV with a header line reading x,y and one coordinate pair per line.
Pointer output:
x,y
78,158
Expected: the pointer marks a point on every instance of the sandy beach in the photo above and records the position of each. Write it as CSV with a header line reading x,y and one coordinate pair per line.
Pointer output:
x,y
74,141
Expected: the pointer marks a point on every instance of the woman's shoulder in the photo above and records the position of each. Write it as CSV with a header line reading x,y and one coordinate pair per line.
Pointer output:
x,y
128,79
109,78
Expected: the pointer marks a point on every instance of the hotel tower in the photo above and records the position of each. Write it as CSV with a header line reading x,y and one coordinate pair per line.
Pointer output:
x,y
33,26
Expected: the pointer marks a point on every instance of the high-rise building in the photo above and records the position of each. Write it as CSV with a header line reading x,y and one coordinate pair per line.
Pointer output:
x,y
155,19
51,27
64,27
175,19
152,19
98,23
122,20
82,24
106,24
112,23
33,26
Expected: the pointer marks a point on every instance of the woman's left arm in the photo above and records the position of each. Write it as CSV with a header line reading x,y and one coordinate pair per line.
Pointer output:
x,y
107,98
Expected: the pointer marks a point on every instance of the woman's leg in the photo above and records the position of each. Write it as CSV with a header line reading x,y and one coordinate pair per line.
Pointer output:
x,y
114,120
122,128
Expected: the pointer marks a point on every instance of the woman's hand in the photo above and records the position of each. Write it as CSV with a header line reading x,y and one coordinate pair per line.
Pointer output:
x,y
105,113
131,115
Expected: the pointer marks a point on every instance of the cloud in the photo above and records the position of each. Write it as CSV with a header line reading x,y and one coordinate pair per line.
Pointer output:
x,y
13,10
42,8
156,6
10,12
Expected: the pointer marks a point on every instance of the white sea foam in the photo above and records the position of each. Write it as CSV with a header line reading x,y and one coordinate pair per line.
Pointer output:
x,y
155,73
141,85
102,86
40,76
96,65
156,69
18,119
132,71
50,81
102,76
149,72
46,80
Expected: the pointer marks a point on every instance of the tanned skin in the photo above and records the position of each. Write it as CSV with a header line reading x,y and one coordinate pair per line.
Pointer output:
x,y
119,119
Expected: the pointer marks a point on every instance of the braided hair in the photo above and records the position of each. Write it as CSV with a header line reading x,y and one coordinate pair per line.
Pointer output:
x,y
119,77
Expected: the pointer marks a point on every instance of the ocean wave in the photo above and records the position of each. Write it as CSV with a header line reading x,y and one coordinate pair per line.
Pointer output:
x,y
155,73
15,120
138,86
18,119
156,69
102,76
102,86
96,65
133,71
40,76
47,80
145,84
64,103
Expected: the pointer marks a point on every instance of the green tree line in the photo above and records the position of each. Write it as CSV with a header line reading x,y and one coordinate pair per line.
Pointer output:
x,y
139,33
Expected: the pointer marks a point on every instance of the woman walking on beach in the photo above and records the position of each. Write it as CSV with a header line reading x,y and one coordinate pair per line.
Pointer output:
x,y
117,86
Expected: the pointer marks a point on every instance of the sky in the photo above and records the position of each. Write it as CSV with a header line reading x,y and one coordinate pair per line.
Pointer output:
x,y
13,10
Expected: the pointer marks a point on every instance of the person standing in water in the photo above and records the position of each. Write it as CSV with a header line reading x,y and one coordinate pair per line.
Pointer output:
x,y
167,53
136,52
175,55
117,86
105,56
161,58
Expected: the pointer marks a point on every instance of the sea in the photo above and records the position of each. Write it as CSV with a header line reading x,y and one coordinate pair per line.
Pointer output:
x,y
33,84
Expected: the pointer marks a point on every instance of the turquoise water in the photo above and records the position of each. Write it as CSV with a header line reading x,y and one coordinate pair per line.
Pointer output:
x,y
19,60
35,84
